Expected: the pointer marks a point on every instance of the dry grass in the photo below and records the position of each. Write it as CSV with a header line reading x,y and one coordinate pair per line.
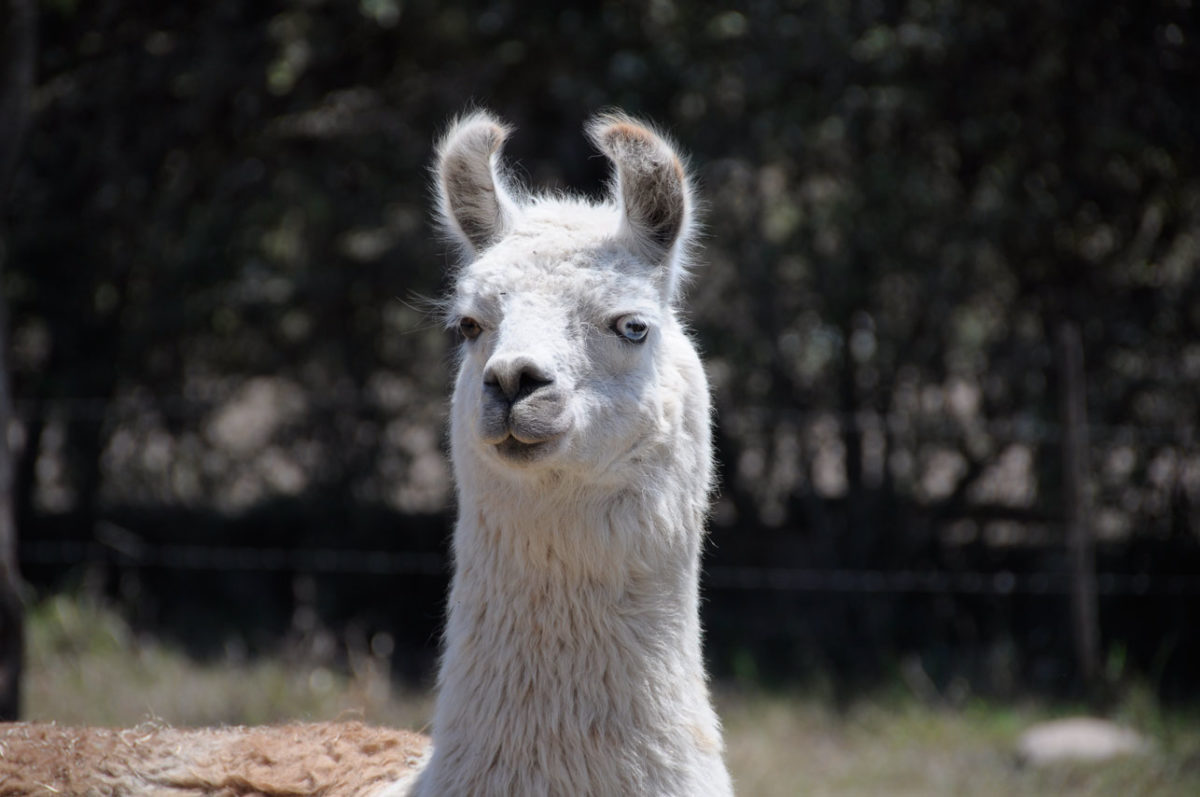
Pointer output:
x,y
86,666
780,745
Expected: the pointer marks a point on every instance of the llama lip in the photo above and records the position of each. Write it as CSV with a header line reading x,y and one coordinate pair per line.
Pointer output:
x,y
514,450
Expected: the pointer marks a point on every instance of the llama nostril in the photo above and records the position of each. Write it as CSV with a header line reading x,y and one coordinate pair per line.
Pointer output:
x,y
515,379
529,383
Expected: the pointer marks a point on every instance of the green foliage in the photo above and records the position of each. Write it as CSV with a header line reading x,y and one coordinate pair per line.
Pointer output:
x,y
901,195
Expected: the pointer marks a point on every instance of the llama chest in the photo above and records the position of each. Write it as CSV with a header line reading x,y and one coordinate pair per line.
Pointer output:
x,y
577,684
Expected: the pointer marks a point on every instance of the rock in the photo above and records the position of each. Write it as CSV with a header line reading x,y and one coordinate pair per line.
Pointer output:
x,y
1078,739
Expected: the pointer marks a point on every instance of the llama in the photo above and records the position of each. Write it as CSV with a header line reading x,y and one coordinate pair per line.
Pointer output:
x,y
580,440
581,444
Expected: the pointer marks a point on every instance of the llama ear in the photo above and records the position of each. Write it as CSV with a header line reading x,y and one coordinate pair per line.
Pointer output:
x,y
474,203
651,188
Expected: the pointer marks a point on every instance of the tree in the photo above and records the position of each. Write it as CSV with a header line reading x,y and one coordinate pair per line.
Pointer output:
x,y
17,25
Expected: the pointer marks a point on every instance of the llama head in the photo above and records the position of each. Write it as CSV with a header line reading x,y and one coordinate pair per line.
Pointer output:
x,y
573,359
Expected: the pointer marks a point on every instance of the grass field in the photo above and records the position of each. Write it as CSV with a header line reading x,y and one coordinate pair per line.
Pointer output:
x,y
85,665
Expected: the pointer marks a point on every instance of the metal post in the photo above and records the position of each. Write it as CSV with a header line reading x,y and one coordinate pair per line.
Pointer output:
x,y
1081,553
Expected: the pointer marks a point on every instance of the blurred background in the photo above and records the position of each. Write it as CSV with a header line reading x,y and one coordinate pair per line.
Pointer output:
x,y
949,302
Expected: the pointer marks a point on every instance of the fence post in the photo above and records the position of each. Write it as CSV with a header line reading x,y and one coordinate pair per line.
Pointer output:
x,y
1081,553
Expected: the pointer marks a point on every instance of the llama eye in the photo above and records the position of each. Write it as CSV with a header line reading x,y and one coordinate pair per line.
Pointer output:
x,y
631,328
469,328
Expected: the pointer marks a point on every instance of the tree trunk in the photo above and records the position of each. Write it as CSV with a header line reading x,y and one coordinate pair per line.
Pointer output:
x,y
17,26
1073,410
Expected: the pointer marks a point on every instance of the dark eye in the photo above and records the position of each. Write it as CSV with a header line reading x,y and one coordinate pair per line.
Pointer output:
x,y
469,328
632,328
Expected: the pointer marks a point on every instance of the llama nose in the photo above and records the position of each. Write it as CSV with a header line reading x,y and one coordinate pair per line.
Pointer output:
x,y
514,377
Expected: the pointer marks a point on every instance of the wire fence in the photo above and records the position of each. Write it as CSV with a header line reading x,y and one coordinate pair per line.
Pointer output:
x,y
235,558
120,548
333,561
945,425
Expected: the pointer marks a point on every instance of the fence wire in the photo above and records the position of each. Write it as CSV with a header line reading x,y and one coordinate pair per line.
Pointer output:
x,y
333,561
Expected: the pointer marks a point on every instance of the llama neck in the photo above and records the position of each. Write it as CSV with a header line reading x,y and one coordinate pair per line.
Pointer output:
x,y
572,660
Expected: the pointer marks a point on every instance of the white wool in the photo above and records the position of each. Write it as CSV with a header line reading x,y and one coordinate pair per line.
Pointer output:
x,y
572,660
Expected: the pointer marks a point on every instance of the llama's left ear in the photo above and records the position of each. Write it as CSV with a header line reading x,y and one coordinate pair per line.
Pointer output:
x,y
652,190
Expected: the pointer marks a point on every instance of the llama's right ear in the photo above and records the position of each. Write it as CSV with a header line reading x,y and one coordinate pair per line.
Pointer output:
x,y
474,204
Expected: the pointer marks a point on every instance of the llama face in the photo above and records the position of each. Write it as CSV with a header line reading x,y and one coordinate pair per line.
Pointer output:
x,y
564,306
559,349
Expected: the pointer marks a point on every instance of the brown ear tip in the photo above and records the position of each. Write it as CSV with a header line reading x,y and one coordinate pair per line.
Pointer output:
x,y
616,132
628,131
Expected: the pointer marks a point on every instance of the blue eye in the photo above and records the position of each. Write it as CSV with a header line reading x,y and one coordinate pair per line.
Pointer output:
x,y
632,328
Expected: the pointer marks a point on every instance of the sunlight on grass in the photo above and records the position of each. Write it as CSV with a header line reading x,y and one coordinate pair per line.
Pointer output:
x,y
85,665
789,745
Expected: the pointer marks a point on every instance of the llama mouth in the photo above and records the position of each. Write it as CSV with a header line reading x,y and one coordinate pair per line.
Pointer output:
x,y
514,450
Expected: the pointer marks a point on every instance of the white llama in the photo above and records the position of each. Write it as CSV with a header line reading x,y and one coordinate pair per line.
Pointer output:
x,y
581,445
